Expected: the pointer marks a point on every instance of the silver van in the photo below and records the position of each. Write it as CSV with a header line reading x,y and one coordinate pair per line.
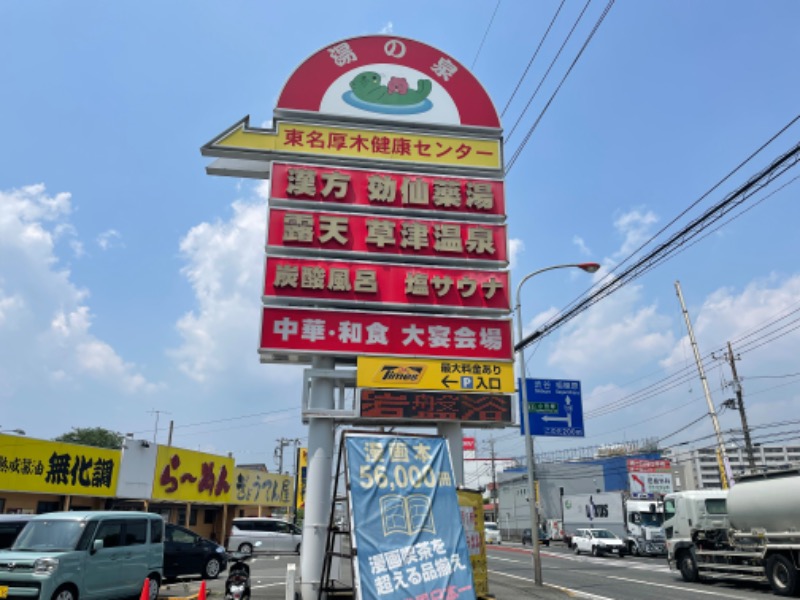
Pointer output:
x,y
86,555
275,535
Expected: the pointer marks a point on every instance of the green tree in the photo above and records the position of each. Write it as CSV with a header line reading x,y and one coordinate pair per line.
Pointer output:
x,y
93,436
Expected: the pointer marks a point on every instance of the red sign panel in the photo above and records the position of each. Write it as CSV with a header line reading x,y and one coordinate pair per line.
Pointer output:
x,y
469,444
382,190
404,405
314,280
389,236
414,82
642,465
294,331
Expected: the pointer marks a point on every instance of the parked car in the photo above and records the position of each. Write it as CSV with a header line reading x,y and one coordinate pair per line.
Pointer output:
x,y
186,553
492,533
598,542
275,535
91,555
544,539
10,526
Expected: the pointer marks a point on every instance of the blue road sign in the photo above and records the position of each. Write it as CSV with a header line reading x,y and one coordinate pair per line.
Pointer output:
x,y
556,408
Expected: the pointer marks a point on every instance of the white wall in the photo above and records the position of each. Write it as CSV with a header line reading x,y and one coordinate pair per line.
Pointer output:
x,y
137,470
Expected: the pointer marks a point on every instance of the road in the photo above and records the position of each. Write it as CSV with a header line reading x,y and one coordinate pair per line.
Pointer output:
x,y
511,578
608,577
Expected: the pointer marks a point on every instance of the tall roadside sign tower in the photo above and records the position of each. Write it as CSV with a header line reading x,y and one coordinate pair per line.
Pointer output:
x,y
386,249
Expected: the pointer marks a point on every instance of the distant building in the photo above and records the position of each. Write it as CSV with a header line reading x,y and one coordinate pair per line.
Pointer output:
x,y
606,472
478,476
699,469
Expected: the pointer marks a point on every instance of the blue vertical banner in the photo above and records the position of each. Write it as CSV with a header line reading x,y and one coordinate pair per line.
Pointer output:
x,y
407,527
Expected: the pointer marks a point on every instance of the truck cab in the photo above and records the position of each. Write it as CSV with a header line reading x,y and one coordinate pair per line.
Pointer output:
x,y
645,520
750,532
694,520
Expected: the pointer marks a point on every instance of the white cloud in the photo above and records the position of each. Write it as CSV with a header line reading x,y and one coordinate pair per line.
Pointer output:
x,y
44,316
110,238
225,264
617,336
515,247
626,342
622,333
77,248
635,227
8,306
750,319
387,29
540,319
582,247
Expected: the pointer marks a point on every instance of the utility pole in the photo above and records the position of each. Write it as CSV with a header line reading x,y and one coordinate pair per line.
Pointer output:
x,y
724,467
737,388
157,413
282,443
494,481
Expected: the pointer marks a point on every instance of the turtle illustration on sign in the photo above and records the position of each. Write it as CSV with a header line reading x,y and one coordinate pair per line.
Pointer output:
x,y
395,97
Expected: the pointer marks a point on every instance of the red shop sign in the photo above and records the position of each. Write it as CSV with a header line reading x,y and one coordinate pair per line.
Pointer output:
x,y
376,236
642,465
292,332
374,190
314,281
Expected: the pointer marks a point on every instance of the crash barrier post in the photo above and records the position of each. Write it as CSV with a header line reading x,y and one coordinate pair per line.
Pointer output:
x,y
291,568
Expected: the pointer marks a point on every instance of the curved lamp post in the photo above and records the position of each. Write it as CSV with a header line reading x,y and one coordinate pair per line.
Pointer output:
x,y
529,457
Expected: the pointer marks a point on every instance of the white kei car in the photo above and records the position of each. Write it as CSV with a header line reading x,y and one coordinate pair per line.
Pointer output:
x,y
492,533
598,542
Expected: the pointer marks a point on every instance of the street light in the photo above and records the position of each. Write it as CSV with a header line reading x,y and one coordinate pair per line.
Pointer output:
x,y
537,558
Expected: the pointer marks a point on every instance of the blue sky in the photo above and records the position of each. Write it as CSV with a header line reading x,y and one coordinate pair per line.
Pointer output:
x,y
130,279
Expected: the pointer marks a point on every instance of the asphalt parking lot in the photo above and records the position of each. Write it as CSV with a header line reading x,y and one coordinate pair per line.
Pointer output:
x,y
268,580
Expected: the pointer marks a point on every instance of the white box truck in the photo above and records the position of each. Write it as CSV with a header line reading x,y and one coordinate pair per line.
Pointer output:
x,y
638,522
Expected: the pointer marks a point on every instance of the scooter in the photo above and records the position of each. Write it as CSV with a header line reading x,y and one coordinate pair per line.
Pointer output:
x,y
237,585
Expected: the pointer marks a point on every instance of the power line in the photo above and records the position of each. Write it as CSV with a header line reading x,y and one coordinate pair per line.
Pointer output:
x,y
771,376
533,127
239,418
662,252
708,192
485,33
547,72
533,57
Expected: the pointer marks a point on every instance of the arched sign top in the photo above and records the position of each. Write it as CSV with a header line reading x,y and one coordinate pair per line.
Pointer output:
x,y
389,78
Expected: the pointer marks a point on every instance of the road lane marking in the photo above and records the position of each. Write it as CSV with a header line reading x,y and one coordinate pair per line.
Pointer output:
x,y
596,561
727,593
571,592
267,585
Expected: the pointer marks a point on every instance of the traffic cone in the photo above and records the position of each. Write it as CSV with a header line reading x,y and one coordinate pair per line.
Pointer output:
x,y
145,595
202,594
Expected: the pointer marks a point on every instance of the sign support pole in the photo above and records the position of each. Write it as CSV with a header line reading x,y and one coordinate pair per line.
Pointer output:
x,y
318,482
454,435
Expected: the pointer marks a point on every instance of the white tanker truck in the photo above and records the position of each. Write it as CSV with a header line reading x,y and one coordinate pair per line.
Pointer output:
x,y
750,532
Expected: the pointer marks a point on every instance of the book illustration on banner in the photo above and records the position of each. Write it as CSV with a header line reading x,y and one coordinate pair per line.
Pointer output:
x,y
408,515
393,98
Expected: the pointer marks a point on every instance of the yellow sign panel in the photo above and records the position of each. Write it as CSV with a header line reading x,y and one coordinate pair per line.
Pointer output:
x,y
435,374
302,468
365,144
471,504
30,465
189,476
259,488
